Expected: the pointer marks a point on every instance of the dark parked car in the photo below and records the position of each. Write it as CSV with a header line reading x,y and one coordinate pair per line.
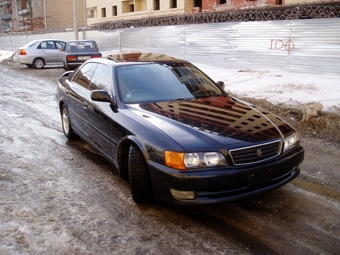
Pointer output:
x,y
78,51
39,53
175,134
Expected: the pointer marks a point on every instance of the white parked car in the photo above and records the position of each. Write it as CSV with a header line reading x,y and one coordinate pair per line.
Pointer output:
x,y
39,53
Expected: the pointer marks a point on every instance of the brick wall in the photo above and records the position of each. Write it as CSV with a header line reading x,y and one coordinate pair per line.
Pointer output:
x,y
60,13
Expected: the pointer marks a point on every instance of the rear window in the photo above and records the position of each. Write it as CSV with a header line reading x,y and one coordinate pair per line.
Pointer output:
x,y
30,44
82,46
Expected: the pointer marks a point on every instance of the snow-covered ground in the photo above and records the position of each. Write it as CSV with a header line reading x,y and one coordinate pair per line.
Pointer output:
x,y
274,86
280,87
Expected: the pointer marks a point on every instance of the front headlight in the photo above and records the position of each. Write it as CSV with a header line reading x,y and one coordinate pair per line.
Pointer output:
x,y
291,141
183,161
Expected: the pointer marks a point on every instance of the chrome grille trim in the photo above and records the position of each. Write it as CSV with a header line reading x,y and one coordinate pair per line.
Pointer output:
x,y
250,155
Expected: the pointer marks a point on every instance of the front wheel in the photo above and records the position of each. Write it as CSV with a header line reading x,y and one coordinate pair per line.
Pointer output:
x,y
38,63
140,184
67,128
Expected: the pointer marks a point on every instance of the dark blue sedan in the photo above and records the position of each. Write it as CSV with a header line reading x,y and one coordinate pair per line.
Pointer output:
x,y
175,134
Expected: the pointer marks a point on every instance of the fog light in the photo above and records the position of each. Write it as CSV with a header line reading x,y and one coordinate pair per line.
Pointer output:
x,y
182,195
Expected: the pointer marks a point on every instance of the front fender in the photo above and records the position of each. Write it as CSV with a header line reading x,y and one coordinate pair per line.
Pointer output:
x,y
133,139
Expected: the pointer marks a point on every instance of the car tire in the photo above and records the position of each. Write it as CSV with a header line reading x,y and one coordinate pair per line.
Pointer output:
x,y
139,180
66,124
38,63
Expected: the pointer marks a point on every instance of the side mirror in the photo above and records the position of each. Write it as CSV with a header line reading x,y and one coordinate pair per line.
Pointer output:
x,y
102,96
220,84
66,74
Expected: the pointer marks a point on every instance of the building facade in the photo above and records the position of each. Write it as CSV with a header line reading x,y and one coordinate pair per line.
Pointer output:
x,y
100,11
110,10
29,15
59,13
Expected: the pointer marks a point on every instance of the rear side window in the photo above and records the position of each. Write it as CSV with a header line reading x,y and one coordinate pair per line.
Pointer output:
x,y
84,75
30,44
102,79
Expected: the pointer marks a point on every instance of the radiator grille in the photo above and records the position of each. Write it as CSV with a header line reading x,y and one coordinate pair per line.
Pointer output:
x,y
254,154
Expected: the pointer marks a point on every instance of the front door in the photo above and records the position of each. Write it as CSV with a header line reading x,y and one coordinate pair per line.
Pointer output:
x,y
97,116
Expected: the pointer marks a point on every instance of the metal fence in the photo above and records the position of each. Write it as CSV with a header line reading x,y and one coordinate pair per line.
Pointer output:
x,y
292,45
277,13
255,14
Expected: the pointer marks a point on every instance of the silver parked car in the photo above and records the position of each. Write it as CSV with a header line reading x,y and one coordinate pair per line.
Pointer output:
x,y
39,53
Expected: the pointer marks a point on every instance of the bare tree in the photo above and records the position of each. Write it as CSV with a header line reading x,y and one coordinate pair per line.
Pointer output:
x,y
29,3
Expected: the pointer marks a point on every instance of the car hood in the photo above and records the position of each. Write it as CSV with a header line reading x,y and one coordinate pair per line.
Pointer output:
x,y
213,121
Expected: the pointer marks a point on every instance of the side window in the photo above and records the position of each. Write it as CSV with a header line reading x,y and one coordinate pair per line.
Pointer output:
x,y
84,75
47,45
60,45
102,79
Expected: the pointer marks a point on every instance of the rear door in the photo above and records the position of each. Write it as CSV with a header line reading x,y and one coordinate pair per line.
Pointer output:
x,y
60,54
49,51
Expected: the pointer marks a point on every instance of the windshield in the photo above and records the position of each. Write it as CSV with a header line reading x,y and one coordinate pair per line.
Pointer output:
x,y
169,81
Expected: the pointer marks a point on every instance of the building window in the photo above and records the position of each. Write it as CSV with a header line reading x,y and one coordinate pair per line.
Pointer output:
x,y
114,10
173,3
103,12
222,1
90,12
198,3
156,6
128,6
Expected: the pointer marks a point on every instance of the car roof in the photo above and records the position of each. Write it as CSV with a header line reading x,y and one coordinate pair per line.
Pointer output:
x,y
134,58
31,43
47,39
70,41
142,57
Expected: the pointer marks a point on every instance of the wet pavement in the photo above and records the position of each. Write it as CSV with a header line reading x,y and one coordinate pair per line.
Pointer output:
x,y
60,197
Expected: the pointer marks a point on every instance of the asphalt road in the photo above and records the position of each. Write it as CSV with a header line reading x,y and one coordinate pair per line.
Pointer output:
x,y
59,197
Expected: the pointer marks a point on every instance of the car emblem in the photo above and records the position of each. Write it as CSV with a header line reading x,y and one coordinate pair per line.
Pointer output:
x,y
259,153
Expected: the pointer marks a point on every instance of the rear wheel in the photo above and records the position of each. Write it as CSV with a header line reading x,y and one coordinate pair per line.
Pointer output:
x,y
38,63
140,184
65,120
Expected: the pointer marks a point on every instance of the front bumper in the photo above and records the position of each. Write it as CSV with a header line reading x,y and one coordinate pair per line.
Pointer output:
x,y
218,185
